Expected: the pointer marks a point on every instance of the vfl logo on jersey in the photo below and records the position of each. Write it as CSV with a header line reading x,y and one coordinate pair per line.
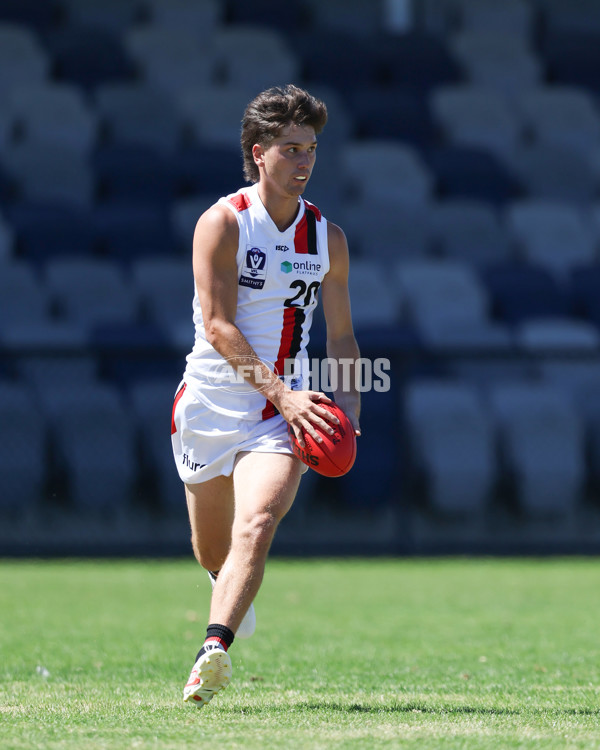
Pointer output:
x,y
254,270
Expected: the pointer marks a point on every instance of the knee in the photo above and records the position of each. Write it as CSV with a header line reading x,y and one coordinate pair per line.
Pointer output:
x,y
209,559
258,531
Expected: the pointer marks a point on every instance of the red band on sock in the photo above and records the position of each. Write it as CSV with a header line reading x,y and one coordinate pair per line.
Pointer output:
x,y
216,638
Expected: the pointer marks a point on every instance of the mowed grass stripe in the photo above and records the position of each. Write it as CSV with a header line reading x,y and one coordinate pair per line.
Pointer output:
x,y
444,653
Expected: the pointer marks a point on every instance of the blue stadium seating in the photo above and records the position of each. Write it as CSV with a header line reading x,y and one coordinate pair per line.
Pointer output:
x,y
520,291
133,173
136,191
88,56
44,230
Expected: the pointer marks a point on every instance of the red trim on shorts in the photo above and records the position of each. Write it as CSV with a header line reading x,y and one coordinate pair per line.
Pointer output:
x,y
178,395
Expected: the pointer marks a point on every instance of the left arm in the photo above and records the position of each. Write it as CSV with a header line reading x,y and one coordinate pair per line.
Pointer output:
x,y
341,343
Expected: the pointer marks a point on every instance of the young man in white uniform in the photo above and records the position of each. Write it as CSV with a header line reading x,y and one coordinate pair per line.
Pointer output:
x,y
260,257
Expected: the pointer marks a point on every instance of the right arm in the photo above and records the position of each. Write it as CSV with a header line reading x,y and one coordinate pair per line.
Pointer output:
x,y
216,277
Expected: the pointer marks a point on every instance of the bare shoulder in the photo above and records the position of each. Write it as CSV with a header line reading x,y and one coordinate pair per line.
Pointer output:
x,y
338,249
335,237
218,224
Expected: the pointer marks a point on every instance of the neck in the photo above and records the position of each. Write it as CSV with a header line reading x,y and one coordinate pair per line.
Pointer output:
x,y
282,209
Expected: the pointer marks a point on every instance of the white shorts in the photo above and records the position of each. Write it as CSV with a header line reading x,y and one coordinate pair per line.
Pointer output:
x,y
205,443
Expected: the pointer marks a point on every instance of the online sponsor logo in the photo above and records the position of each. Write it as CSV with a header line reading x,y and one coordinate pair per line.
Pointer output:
x,y
301,266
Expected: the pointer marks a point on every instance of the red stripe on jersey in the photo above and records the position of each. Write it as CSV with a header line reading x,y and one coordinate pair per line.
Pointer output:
x,y
301,236
289,346
241,201
311,207
178,395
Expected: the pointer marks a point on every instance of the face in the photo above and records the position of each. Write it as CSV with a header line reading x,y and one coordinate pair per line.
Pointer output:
x,y
288,162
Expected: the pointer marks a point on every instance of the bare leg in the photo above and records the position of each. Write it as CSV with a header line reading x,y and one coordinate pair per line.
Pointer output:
x,y
265,485
211,511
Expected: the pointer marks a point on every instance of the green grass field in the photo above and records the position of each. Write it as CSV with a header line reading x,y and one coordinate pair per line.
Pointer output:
x,y
348,654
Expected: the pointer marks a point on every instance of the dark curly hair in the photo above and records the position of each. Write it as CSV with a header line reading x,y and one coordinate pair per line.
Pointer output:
x,y
272,110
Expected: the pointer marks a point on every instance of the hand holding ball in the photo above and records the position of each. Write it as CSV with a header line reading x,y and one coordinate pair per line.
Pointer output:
x,y
336,454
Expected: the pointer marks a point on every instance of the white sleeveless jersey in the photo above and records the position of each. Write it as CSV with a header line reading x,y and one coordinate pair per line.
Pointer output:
x,y
279,275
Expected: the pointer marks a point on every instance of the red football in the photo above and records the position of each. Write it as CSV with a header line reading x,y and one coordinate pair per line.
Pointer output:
x,y
335,455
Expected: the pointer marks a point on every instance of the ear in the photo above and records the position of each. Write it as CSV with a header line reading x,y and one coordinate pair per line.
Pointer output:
x,y
258,153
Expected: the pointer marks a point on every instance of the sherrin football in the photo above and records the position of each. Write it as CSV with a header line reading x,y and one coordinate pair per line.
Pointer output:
x,y
335,455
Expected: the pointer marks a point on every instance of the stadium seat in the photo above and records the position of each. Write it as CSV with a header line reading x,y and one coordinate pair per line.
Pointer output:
x,y
39,17
151,403
88,56
23,459
345,17
127,230
171,59
520,291
542,442
386,170
39,370
418,60
201,18
53,114
453,444
165,287
476,117
574,16
557,336
23,61
90,291
7,239
578,379
401,114
552,235
253,57
60,174
212,114
572,56
342,61
44,230
22,295
563,116
94,438
469,231
450,306
139,115
204,168
500,61
555,173
290,15
185,213
583,288
474,173
383,231
126,172
111,15
379,454
368,281
513,17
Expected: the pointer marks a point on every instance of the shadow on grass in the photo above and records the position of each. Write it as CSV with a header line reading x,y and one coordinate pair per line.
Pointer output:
x,y
407,708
